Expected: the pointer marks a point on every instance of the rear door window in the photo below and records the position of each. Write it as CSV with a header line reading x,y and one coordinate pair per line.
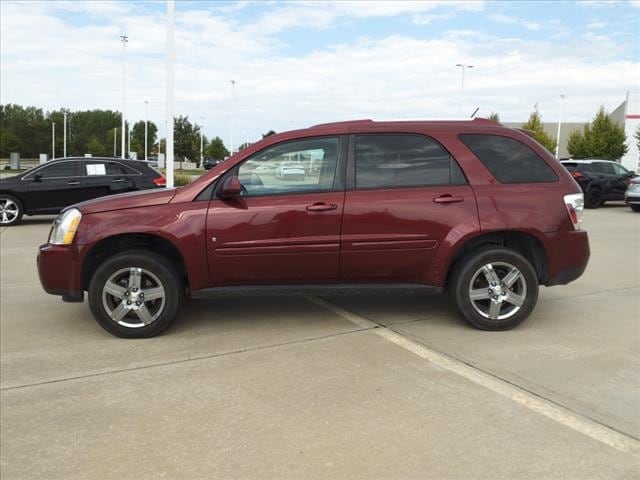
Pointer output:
x,y
58,170
396,161
509,160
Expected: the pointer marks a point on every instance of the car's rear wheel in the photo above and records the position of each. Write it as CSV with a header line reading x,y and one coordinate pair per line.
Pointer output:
x,y
594,197
10,210
635,208
494,288
135,294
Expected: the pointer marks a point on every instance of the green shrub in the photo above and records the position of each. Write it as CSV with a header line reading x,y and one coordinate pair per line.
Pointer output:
x,y
180,179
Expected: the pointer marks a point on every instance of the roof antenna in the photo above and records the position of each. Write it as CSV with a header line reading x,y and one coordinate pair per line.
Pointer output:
x,y
474,112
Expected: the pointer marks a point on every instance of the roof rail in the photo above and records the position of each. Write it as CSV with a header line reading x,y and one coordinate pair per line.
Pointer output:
x,y
346,122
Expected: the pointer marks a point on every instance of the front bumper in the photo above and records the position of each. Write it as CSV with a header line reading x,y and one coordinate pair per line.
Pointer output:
x,y
632,199
568,257
59,271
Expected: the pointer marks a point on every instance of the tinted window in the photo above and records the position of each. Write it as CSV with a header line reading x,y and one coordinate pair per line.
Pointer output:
x,y
620,170
292,167
509,160
388,161
603,168
62,169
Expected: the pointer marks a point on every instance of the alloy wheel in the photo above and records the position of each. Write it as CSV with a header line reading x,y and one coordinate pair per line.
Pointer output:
x,y
9,211
497,290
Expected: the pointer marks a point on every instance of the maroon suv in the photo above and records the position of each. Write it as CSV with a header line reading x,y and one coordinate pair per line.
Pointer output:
x,y
360,206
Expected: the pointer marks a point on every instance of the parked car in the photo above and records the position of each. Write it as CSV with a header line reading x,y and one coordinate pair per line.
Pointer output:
x,y
152,161
472,207
632,195
209,163
290,171
48,188
600,180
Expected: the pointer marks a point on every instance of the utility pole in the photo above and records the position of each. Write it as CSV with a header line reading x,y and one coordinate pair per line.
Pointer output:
x,y
233,114
146,128
124,39
463,66
64,150
559,127
171,9
202,142
53,140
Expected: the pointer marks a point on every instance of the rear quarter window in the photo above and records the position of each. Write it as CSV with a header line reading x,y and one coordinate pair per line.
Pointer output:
x,y
509,160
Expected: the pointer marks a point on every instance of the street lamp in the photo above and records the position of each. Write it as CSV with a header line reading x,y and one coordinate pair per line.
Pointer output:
x,y
124,39
463,66
559,127
146,127
53,140
233,112
129,145
115,136
170,62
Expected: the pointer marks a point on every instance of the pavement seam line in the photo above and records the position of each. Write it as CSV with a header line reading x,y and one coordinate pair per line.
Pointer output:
x,y
185,360
536,403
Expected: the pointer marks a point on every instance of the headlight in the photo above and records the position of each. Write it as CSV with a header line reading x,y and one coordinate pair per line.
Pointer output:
x,y
64,227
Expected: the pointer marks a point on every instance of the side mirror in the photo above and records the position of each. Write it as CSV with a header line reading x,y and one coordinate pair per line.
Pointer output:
x,y
37,177
231,187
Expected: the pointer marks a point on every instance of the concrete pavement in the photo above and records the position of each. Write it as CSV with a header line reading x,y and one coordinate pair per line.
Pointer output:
x,y
284,388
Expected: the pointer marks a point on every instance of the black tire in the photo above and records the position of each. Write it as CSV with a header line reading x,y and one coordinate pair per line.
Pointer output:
x,y
524,290
14,211
635,208
155,271
594,197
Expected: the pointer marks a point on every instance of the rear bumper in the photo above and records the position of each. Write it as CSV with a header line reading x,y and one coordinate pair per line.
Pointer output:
x,y
569,254
58,269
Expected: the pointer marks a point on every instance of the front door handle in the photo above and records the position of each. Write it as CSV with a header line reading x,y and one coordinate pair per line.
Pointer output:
x,y
321,207
118,180
446,198
73,182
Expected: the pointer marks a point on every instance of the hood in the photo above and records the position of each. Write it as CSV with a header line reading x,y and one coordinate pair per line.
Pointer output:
x,y
11,180
144,198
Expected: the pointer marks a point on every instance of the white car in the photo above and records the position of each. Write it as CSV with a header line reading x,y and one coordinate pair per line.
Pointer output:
x,y
632,195
290,171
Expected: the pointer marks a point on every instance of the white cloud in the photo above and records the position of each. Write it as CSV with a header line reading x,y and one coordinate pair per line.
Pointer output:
x,y
596,25
501,18
48,62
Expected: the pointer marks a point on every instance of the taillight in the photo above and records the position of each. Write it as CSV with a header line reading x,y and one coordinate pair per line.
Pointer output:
x,y
575,208
576,174
160,181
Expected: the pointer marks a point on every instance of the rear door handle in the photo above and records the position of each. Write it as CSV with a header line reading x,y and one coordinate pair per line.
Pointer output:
x,y
446,198
321,206
73,182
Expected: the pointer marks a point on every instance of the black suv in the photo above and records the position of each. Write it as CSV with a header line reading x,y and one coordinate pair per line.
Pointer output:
x,y
48,188
600,180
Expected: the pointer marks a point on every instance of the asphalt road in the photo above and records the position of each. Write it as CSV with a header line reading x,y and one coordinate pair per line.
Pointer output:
x,y
345,387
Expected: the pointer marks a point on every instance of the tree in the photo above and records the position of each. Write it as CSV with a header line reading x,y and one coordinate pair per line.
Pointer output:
x,y
244,145
637,136
495,117
216,149
268,134
602,138
535,125
96,148
9,142
137,137
186,139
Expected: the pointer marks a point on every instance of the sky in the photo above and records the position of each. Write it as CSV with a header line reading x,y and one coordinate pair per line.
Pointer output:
x,y
300,63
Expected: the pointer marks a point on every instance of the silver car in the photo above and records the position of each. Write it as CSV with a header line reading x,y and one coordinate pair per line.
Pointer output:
x,y
632,195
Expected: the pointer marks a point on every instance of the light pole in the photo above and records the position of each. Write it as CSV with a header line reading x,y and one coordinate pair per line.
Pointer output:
x,y
233,114
202,142
171,9
559,127
129,144
463,66
64,128
124,39
115,136
146,128
53,140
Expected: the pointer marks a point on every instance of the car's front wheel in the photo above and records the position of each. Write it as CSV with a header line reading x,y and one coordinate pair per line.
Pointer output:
x,y
135,294
10,210
495,288
635,208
